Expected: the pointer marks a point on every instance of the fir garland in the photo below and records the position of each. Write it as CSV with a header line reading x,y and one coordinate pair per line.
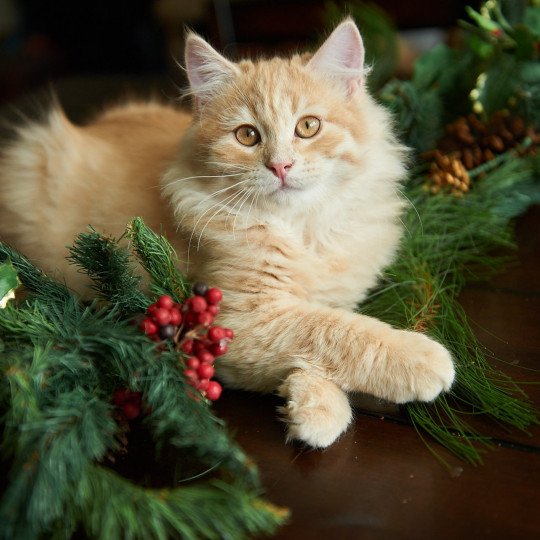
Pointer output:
x,y
449,240
61,362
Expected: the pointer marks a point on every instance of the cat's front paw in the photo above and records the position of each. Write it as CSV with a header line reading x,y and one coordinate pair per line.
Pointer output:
x,y
317,411
412,367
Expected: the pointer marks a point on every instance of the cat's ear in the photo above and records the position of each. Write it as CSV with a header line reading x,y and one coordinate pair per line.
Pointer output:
x,y
341,56
206,69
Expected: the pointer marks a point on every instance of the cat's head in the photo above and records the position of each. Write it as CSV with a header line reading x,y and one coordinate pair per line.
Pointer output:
x,y
282,131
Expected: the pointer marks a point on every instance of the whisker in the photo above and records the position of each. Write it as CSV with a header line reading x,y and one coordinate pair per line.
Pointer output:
x,y
202,176
243,201
230,165
402,193
221,206
222,190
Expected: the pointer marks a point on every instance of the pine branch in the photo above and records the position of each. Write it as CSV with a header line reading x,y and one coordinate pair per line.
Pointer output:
x,y
60,363
158,258
448,240
33,278
102,495
108,265
171,402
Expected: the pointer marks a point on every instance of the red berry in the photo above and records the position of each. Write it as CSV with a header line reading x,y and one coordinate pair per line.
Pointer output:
x,y
193,362
229,334
120,396
176,316
206,356
148,326
219,349
203,384
151,309
198,345
216,334
131,410
213,309
191,376
162,316
165,302
213,391
190,319
205,371
197,304
187,346
214,295
205,318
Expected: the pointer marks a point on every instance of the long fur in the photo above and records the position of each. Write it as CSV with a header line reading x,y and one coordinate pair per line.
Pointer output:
x,y
293,261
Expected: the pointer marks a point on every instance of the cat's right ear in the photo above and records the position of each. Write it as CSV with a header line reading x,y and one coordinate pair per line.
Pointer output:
x,y
206,69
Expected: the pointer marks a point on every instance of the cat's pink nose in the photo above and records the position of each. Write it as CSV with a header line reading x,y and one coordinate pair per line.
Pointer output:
x,y
280,169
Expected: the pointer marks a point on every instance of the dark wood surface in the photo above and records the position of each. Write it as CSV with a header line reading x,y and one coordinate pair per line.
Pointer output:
x,y
380,480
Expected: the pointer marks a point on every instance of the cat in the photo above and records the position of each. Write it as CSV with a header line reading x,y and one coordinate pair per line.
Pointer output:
x,y
282,188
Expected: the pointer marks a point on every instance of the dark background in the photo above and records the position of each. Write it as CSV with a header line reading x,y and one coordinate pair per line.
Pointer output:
x,y
44,40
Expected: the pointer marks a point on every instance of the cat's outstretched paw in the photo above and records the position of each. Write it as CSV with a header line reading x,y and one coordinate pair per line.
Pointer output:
x,y
317,411
411,367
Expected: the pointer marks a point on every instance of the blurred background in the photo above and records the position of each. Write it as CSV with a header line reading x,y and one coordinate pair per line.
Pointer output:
x,y
106,41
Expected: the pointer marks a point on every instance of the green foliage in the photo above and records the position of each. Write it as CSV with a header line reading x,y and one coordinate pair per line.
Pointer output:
x,y
417,113
448,242
158,258
8,282
109,267
61,362
497,68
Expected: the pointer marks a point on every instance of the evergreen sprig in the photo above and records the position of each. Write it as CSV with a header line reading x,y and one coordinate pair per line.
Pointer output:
x,y
109,267
61,361
158,258
450,242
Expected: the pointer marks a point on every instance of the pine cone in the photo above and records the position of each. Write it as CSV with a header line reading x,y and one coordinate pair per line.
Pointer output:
x,y
475,142
469,143
448,174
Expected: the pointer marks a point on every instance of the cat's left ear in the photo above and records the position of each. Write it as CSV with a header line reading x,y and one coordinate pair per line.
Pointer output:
x,y
341,56
206,69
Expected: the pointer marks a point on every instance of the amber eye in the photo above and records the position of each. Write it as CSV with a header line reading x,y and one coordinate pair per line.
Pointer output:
x,y
308,127
247,135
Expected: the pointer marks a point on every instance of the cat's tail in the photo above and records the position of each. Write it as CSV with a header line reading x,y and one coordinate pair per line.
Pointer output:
x,y
35,169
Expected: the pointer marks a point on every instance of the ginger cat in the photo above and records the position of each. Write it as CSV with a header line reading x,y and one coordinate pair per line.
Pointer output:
x,y
282,189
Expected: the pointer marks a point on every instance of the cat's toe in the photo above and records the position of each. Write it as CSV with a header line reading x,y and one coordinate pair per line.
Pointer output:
x,y
428,367
317,411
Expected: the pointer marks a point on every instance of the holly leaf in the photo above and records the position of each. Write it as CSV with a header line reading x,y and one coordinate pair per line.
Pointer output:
x,y
9,281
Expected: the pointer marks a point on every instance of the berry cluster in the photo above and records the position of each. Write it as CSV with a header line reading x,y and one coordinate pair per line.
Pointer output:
x,y
190,326
130,403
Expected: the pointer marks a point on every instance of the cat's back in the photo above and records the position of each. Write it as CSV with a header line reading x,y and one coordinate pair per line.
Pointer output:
x,y
56,177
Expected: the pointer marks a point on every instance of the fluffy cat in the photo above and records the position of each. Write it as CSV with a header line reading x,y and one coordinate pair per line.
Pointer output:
x,y
282,189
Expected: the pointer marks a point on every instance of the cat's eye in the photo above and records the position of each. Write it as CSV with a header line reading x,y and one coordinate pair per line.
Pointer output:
x,y
308,127
247,135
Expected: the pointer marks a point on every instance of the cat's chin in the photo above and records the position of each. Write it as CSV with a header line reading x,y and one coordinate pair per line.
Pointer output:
x,y
288,194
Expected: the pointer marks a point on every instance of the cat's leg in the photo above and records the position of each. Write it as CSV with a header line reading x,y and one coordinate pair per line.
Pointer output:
x,y
317,411
354,351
